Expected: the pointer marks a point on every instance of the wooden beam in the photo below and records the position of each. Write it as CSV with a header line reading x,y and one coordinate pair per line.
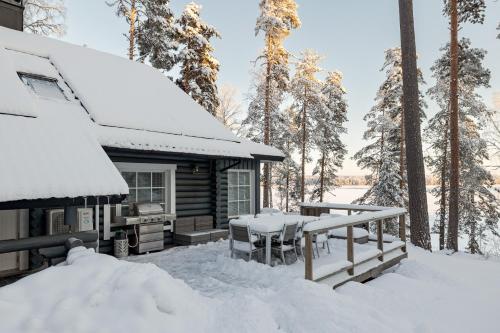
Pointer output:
x,y
350,248
380,239
402,230
309,256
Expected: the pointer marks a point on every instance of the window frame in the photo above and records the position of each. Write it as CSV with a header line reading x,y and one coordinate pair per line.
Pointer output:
x,y
23,75
169,179
252,191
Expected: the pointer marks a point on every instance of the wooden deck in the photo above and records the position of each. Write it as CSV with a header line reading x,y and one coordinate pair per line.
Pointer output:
x,y
358,267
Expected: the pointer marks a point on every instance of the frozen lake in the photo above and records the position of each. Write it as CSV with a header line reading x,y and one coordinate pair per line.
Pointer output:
x,y
348,193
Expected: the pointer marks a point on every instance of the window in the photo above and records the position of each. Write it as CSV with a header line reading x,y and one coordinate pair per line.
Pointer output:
x,y
149,183
240,195
145,187
43,86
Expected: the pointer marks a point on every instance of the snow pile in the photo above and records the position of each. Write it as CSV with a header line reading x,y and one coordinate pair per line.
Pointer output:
x,y
427,293
98,293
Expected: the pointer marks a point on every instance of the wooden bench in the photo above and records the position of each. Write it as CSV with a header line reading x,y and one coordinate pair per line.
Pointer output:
x,y
197,230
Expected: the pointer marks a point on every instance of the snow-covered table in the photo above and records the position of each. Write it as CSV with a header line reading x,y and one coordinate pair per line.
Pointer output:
x,y
269,226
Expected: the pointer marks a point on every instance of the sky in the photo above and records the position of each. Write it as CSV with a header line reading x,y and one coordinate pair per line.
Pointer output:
x,y
350,35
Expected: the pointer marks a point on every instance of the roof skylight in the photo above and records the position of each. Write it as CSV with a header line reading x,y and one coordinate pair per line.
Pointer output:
x,y
43,86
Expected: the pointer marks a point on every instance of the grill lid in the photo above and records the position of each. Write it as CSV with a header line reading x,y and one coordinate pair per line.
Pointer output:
x,y
148,208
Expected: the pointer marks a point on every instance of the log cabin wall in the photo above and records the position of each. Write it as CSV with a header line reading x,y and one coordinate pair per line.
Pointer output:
x,y
201,182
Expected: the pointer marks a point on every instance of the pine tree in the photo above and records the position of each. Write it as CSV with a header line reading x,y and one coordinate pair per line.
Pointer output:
x,y
157,34
417,194
129,9
276,20
329,126
254,125
199,68
384,156
478,207
459,11
306,91
286,174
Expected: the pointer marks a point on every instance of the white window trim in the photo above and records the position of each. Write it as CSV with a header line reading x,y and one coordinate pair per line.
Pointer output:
x,y
252,190
168,169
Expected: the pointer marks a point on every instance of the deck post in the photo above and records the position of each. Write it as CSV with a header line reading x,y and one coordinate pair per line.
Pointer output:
x,y
350,248
402,230
349,212
309,256
380,239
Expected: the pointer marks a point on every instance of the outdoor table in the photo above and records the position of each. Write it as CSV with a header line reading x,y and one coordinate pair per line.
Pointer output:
x,y
269,226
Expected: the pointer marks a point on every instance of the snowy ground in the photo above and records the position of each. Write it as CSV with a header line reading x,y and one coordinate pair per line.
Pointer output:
x,y
201,289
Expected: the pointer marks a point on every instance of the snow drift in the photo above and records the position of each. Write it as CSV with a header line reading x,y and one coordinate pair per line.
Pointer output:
x,y
98,293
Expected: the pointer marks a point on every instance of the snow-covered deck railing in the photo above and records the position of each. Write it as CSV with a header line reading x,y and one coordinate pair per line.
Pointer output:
x,y
379,215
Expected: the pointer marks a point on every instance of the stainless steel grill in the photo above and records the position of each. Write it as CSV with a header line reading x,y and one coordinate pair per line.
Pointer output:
x,y
151,217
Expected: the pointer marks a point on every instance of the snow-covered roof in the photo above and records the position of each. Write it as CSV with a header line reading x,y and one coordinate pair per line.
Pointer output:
x,y
47,146
131,104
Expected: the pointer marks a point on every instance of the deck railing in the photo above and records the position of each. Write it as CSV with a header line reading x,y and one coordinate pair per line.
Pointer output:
x,y
379,215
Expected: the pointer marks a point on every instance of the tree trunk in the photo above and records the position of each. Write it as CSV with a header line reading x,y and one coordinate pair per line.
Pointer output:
x,y
270,183
131,37
267,116
454,140
473,245
402,152
304,137
322,178
419,218
442,202
287,190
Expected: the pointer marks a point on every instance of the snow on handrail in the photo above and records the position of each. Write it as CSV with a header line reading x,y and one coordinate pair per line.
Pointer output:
x,y
343,206
352,220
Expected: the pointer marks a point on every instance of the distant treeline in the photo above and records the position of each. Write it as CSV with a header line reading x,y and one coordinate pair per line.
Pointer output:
x,y
365,180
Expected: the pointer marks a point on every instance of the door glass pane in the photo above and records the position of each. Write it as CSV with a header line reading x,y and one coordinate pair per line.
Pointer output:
x,y
233,193
244,178
232,208
244,193
232,178
244,207
158,179
143,179
130,178
144,195
132,196
158,195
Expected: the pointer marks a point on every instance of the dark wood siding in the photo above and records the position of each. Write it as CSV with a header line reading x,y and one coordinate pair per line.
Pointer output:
x,y
200,193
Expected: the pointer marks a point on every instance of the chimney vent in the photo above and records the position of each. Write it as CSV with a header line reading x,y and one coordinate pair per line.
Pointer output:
x,y
11,14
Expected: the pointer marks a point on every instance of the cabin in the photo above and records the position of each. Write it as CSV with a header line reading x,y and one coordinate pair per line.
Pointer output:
x,y
85,136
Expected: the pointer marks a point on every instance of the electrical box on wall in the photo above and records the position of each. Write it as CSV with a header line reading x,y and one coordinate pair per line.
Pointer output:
x,y
85,219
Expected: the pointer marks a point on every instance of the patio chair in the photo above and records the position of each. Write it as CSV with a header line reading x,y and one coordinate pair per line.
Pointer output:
x,y
242,240
320,238
286,241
